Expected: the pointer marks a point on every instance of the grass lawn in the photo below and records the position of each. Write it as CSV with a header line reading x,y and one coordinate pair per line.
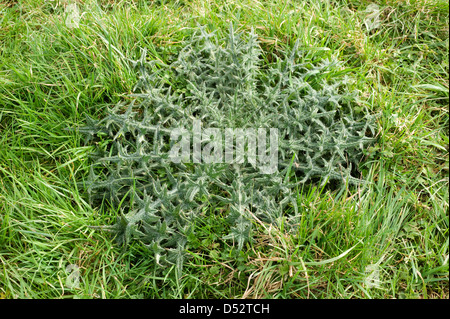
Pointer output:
x,y
386,238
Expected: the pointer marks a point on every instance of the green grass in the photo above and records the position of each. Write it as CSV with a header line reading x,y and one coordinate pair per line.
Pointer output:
x,y
52,76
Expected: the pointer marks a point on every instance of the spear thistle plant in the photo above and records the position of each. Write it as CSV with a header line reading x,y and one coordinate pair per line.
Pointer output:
x,y
223,85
